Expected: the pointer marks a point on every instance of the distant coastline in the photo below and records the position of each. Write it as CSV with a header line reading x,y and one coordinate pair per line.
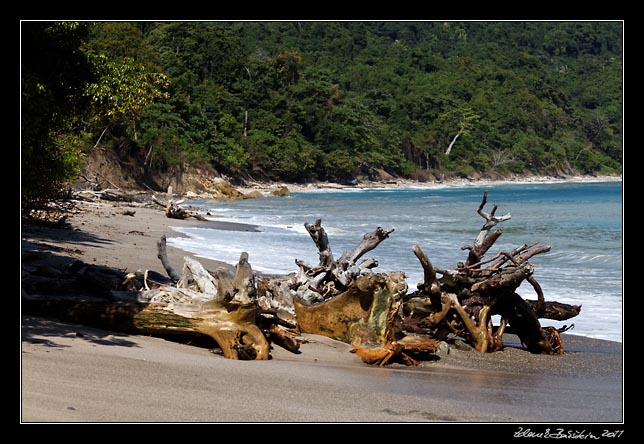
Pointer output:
x,y
409,183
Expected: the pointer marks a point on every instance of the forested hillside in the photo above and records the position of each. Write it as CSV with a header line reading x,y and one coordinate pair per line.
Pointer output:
x,y
301,101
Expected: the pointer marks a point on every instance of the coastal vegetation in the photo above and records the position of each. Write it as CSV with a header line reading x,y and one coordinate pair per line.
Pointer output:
x,y
308,101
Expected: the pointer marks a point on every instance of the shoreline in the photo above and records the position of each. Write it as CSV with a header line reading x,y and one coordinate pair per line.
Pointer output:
x,y
266,187
72,373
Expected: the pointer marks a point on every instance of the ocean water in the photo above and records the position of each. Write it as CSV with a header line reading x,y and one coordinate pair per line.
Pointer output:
x,y
582,222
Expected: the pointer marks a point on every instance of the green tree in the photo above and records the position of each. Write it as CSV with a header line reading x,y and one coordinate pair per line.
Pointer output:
x,y
458,121
123,91
120,40
54,75
164,135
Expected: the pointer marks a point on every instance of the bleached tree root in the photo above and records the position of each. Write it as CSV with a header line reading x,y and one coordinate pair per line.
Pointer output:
x,y
463,300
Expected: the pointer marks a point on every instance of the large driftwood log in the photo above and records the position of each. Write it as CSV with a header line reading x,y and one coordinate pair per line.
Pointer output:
x,y
357,315
193,304
348,302
167,311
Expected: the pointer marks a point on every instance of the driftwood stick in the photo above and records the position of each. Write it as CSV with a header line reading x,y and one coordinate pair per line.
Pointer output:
x,y
168,199
225,289
519,254
429,274
479,249
145,280
319,236
157,201
513,253
430,285
172,208
541,305
528,254
244,281
162,254
369,242
490,220
477,265
303,265
482,204
368,264
510,257
510,279
478,334
203,279
557,311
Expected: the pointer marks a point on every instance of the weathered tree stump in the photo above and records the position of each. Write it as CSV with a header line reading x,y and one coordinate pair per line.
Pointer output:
x,y
463,300
344,300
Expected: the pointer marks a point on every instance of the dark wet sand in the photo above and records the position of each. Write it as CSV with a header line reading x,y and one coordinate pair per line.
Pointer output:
x,y
73,373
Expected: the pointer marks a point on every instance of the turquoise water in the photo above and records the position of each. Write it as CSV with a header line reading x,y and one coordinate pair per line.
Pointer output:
x,y
582,222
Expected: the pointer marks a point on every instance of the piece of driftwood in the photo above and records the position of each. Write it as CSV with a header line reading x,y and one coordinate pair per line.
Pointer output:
x,y
195,303
172,207
167,311
462,301
347,301
111,194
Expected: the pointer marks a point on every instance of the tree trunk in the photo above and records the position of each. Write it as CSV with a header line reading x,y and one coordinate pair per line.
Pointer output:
x,y
165,311
192,306
348,302
449,148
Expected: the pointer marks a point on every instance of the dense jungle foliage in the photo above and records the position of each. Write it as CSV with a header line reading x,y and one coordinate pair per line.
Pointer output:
x,y
302,101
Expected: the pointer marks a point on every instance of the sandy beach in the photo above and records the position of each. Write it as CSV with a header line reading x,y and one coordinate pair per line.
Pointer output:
x,y
78,374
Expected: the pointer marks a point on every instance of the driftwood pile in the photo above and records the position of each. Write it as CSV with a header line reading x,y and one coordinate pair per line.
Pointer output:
x,y
341,298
